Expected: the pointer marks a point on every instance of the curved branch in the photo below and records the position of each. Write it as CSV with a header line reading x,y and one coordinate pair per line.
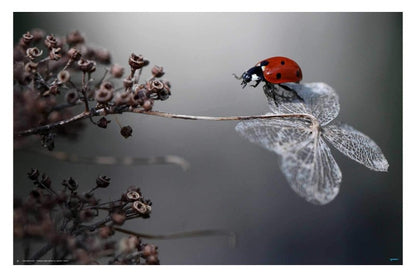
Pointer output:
x,y
103,112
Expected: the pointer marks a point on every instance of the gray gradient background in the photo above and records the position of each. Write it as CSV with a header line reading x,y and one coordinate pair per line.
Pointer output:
x,y
233,184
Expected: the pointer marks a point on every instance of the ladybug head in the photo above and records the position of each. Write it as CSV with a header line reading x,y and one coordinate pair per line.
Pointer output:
x,y
246,79
253,74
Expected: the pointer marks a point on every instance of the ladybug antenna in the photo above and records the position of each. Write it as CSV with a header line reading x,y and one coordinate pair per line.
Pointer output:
x,y
238,78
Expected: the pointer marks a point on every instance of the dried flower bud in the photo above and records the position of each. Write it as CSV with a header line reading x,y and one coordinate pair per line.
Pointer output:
x,y
71,184
103,122
116,71
33,174
107,85
141,208
27,38
157,71
86,65
102,181
103,56
51,42
148,104
137,62
74,54
64,76
105,232
31,67
138,97
158,90
127,83
164,94
132,195
71,97
54,54
33,53
155,86
126,131
46,181
48,141
134,242
122,98
103,95
128,245
152,260
149,250
75,37
118,218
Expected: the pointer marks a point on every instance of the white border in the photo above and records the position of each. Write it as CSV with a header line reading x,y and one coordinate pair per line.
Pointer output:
x,y
219,6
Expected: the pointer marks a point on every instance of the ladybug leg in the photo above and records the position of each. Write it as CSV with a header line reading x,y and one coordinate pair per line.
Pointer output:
x,y
290,93
257,83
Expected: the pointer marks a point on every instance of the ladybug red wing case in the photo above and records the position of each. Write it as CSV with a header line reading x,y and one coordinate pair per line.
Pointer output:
x,y
277,70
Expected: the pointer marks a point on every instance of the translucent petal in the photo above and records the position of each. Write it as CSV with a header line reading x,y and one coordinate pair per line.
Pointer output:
x,y
305,159
319,99
356,146
312,172
278,135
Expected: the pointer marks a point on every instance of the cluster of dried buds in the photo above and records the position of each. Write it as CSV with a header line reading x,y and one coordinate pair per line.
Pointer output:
x,y
70,223
135,95
53,74
44,75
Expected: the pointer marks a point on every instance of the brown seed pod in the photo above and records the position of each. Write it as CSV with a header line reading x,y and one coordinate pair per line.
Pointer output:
x,y
75,37
103,122
137,62
71,97
54,54
74,54
116,71
31,67
103,95
122,98
86,65
102,181
148,104
118,218
51,41
157,71
141,208
149,250
126,131
103,56
33,53
64,76
27,38
132,195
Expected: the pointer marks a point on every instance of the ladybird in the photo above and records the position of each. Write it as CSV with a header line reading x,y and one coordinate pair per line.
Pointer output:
x,y
274,70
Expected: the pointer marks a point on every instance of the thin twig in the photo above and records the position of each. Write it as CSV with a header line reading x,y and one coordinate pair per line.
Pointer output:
x,y
51,126
84,91
101,112
225,118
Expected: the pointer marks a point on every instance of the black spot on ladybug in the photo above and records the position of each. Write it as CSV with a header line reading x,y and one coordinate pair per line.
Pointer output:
x,y
282,62
278,76
264,63
297,73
